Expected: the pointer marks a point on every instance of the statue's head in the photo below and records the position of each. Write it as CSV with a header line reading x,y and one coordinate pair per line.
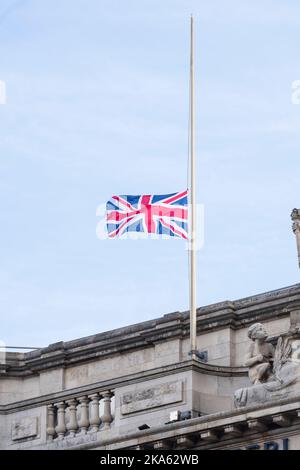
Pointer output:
x,y
295,214
257,331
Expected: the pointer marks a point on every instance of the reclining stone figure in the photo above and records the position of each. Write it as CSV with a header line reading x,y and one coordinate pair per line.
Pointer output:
x,y
273,374
260,355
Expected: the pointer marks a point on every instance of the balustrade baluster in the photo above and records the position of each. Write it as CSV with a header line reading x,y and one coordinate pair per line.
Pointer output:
x,y
84,408
61,422
107,418
51,422
95,418
72,425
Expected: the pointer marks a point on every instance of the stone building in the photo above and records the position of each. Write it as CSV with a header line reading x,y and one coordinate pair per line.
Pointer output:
x,y
138,388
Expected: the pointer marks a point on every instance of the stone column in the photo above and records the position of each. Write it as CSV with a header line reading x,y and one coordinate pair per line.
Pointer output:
x,y
295,216
84,408
72,425
50,422
107,418
61,425
95,418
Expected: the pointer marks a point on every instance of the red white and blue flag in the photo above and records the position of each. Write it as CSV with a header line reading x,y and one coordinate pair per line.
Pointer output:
x,y
164,214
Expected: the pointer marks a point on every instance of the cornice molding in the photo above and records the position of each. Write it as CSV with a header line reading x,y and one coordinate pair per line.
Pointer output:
x,y
228,314
112,384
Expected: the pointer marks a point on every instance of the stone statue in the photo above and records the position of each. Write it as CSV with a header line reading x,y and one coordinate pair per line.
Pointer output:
x,y
260,355
273,374
295,215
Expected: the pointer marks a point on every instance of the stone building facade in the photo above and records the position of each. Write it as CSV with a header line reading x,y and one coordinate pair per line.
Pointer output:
x,y
138,388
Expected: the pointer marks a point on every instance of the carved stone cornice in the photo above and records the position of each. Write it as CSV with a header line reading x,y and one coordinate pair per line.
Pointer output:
x,y
229,314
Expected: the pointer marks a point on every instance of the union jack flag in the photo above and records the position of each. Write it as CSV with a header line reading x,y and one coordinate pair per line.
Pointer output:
x,y
164,214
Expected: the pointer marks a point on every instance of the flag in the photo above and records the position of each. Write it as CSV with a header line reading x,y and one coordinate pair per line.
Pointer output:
x,y
163,214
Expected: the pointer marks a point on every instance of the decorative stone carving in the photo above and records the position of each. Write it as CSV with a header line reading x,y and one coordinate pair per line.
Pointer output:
x,y
280,381
146,398
162,445
256,425
260,354
295,216
184,442
296,226
281,420
210,435
24,428
232,430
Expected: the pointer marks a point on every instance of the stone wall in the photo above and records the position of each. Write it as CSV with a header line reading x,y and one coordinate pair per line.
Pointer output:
x,y
144,370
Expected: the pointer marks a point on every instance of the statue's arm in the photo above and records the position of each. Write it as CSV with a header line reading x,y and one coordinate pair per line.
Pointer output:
x,y
271,352
250,360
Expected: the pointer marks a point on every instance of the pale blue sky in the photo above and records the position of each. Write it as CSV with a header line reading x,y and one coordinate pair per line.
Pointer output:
x,y
97,103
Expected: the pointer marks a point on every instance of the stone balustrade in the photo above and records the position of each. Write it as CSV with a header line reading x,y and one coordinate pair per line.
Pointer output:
x,y
80,415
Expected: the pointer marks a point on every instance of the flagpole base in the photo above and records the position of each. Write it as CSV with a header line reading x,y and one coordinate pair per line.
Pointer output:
x,y
200,356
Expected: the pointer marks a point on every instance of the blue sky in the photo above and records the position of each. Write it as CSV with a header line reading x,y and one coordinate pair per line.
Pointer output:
x,y
97,104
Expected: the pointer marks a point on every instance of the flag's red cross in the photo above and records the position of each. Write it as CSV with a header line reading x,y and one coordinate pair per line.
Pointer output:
x,y
164,211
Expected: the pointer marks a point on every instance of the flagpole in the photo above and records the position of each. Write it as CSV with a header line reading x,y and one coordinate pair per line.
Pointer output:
x,y
193,311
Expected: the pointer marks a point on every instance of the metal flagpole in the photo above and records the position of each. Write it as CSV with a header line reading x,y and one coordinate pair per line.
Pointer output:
x,y
193,311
